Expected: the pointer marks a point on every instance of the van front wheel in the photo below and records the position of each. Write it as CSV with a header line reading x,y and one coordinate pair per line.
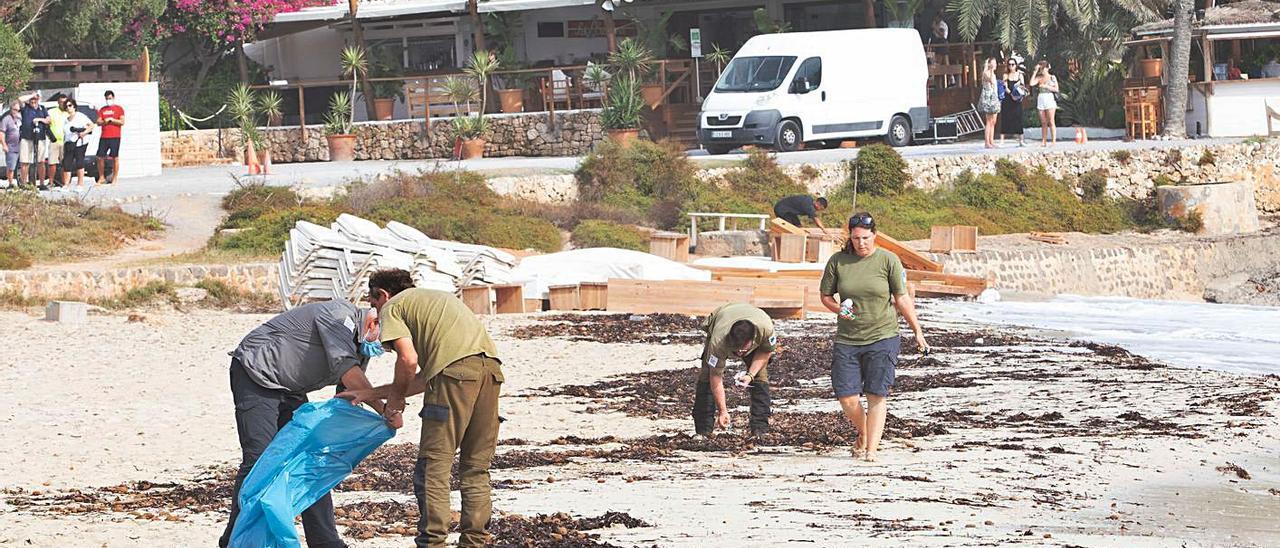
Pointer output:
x,y
789,137
899,132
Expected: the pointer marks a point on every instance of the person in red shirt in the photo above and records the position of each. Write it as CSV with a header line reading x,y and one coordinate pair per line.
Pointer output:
x,y
110,119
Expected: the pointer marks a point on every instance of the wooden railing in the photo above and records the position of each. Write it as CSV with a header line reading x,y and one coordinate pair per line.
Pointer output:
x,y
74,71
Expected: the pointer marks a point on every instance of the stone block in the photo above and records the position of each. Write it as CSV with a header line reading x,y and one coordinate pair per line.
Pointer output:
x,y
1224,208
66,312
733,243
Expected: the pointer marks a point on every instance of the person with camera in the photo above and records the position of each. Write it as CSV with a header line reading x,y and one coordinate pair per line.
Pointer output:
x,y
75,144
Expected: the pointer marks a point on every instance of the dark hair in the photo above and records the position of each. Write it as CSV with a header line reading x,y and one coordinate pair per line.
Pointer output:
x,y
859,220
393,281
58,95
822,202
72,102
109,95
740,332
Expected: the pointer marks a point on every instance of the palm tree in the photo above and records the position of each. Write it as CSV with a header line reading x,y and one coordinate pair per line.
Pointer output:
x,y
1175,123
1022,24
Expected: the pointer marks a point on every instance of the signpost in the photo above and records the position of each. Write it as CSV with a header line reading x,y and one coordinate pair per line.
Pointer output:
x,y
695,51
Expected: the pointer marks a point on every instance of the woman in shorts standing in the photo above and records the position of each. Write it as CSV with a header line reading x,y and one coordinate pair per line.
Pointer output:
x,y
1046,102
872,288
989,102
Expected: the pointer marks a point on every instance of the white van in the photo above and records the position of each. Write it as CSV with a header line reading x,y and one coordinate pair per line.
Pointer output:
x,y
781,90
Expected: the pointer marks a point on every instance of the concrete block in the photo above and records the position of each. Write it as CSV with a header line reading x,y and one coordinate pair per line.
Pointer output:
x,y
66,312
1225,208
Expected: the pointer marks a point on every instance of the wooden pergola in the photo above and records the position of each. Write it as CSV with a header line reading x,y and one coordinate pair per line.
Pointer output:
x,y
77,71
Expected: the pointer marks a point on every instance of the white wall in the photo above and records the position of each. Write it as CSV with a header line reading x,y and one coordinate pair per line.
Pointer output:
x,y
140,135
1237,108
1196,111
310,55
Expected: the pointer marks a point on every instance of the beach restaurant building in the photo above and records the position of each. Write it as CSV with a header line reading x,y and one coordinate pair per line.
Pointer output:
x,y
550,43
1234,87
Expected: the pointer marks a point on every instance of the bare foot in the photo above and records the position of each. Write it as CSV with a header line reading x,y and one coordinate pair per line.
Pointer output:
x,y
871,457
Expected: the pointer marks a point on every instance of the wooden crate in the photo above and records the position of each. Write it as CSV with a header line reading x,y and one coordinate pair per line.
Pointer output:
x,y
584,296
509,299
779,226
818,250
673,297
534,305
564,297
948,239
593,295
478,298
787,248
670,245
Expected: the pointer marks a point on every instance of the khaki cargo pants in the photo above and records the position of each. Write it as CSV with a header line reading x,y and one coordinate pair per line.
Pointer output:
x,y
459,413
704,404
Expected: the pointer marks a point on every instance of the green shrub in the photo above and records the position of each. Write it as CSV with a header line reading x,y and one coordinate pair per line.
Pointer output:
x,y
142,296
12,258
1122,156
596,233
1207,158
1163,180
879,170
1093,184
259,197
33,229
267,233
655,178
760,179
469,223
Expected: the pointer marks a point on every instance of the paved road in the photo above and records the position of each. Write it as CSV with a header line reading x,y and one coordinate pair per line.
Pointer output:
x,y
217,180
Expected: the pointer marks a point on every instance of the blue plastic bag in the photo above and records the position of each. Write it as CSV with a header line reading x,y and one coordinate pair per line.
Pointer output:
x,y
307,458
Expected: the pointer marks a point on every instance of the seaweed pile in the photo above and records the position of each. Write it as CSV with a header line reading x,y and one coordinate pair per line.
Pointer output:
x,y
365,520
616,328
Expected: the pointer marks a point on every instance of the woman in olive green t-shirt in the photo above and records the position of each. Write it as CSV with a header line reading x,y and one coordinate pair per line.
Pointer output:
x,y
872,286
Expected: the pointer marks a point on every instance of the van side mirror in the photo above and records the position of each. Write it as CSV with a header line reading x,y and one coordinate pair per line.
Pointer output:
x,y
800,86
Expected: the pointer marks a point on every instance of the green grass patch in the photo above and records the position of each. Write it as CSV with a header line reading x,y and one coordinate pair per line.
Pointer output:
x,y
597,233
35,230
1013,200
448,205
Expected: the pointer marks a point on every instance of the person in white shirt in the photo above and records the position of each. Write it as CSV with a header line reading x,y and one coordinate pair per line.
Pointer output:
x,y
75,142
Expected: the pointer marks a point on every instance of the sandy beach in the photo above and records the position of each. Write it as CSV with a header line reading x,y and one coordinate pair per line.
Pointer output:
x,y
1000,437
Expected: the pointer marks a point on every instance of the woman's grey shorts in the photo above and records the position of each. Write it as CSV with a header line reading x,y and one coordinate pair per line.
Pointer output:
x,y
865,369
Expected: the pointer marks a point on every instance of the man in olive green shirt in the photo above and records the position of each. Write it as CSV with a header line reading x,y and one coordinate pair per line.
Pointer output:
x,y
746,332
442,349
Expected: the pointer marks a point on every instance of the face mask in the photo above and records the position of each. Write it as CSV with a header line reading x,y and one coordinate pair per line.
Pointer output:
x,y
111,102
371,349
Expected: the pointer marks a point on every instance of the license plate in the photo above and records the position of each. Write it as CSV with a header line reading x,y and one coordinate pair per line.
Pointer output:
x,y
721,134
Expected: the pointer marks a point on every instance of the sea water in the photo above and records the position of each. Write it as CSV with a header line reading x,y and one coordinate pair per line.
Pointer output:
x,y
1234,338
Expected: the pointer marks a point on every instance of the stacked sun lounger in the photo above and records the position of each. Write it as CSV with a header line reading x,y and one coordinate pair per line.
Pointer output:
x,y
322,263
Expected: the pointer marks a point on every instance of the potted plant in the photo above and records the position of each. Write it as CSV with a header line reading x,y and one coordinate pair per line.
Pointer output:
x,y
338,129
386,92
621,115
720,57
1150,67
242,105
468,132
510,86
481,68
270,105
635,60
460,91
355,65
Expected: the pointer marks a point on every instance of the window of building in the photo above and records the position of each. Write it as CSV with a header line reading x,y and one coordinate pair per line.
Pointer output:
x,y
552,29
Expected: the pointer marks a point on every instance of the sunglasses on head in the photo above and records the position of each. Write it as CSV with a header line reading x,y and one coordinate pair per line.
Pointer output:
x,y
863,220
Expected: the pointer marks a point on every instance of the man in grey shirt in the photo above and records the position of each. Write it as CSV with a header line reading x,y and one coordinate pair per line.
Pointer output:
x,y
272,370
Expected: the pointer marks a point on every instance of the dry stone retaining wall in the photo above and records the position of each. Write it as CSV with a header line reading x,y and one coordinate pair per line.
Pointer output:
x,y
103,284
1175,270
572,133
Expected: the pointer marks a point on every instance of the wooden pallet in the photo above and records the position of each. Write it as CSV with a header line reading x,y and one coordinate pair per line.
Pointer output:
x,y
911,259
583,296
673,297
1055,238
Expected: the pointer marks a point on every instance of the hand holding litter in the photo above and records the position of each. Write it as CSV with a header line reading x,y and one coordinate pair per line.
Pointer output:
x,y
743,380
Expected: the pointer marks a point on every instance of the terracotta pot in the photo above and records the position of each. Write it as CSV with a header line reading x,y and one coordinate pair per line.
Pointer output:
x,y
472,148
342,148
652,94
512,100
623,137
1150,68
383,108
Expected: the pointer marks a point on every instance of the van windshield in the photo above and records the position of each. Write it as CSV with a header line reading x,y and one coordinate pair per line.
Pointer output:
x,y
755,73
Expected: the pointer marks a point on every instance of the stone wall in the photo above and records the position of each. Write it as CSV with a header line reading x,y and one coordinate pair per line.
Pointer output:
x,y
1168,270
101,284
573,133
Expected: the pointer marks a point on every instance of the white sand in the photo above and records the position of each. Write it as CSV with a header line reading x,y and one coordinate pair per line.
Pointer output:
x,y
111,401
